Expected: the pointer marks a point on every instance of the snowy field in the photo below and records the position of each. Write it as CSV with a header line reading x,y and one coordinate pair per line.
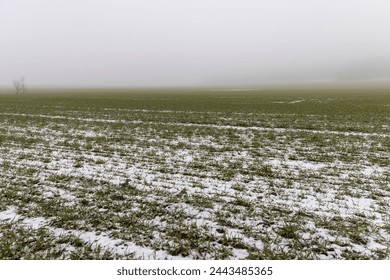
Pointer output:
x,y
195,175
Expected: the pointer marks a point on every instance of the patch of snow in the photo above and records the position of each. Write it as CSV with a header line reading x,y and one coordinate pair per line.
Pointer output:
x,y
372,170
289,102
297,163
240,254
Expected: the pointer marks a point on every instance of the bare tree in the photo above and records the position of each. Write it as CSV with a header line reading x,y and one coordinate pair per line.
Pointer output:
x,y
19,86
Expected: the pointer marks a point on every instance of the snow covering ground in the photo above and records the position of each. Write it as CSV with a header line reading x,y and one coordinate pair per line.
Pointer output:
x,y
171,184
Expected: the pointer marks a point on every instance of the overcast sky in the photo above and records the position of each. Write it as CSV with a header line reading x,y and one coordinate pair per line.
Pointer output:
x,y
192,42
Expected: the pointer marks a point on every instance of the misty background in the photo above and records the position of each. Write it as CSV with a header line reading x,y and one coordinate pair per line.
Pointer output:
x,y
151,43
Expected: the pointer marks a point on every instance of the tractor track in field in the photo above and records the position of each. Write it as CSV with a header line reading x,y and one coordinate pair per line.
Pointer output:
x,y
201,125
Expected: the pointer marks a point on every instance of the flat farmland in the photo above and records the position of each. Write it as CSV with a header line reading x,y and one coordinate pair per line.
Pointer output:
x,y
170,174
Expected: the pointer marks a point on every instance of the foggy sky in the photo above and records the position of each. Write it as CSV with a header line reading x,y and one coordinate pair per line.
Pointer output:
x,y
125,43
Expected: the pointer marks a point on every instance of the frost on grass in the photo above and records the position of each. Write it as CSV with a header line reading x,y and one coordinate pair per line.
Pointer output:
x,y
249,178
